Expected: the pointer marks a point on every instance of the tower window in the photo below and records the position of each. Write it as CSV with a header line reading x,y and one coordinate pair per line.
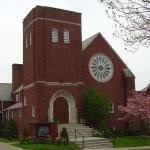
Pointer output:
x,y
66,36
30,39
54,35
25,101
26,42
33,111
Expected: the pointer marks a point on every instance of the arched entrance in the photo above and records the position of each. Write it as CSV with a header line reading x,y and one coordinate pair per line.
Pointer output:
x,y
60,110
65,99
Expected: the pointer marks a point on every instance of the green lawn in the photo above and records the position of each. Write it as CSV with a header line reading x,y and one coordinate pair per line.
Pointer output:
x,y
47,146
5,140
132,141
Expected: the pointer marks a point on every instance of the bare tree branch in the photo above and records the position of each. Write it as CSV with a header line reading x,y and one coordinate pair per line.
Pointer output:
x,y
132,21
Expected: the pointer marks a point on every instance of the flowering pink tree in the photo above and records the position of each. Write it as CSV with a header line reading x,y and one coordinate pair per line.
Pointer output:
x,y
138,108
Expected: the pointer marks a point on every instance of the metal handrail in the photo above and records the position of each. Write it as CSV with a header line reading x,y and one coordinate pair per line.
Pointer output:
x,y
76,131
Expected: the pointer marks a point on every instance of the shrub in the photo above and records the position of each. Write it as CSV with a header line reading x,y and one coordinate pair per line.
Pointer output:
x,y
24,132
1,125
104,130
11,129
64,134
96,107
23,137
3,133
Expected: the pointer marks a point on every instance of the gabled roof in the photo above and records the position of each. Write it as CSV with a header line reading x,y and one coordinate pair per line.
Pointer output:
x,y
15,106
88,41
5,91
20,88
128,73
146,88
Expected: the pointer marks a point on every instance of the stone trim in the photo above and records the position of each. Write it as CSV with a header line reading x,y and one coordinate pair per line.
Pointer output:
x,y
73,84
73,118
53,20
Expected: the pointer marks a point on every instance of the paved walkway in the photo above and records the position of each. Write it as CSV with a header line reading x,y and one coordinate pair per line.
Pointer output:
x,y
132,148
8,146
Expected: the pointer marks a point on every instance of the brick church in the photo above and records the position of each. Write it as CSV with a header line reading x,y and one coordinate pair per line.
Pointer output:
x,y
58,67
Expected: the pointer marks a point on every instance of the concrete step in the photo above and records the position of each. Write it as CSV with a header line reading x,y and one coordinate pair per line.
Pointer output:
x,y
94,142
86,132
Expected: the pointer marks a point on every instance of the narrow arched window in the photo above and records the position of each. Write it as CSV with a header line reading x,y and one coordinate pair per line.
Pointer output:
x,y
26,42
66,36
54,35
30,39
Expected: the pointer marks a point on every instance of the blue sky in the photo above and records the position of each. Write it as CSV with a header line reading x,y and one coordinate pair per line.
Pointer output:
x,y
94,20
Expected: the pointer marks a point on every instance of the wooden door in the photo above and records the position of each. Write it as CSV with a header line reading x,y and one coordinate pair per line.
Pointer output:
x,y
61,113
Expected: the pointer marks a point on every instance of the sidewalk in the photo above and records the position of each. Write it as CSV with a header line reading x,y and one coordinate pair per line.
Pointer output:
x,y
8,146
130,148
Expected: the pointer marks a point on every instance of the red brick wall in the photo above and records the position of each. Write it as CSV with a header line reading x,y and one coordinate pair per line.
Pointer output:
x,y
47,61
115,88
43,54
17,76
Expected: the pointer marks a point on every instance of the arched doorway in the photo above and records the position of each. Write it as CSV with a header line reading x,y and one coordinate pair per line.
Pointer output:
x,y
67,99
61,111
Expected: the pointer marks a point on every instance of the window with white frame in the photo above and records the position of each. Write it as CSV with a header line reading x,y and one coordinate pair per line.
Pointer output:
x,y
26,42
66,36
33,111
20,113
25,101
112,108
17,97
54,35
30,39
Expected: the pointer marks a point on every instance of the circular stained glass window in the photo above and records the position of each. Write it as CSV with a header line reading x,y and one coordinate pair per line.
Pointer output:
x,y
101,67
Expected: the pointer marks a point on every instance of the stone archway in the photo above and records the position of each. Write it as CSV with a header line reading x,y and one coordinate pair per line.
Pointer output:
x,y
72,110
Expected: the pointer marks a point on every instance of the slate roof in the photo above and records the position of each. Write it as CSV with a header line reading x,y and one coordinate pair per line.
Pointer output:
x,y
128,73
20,88
88,41
5,91
146,88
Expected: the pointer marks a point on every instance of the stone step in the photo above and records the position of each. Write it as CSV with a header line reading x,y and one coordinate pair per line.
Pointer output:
x,y
93,142
97,145
85,131
80,129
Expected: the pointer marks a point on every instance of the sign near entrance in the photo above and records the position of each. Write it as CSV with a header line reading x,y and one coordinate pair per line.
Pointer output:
x,y
43,130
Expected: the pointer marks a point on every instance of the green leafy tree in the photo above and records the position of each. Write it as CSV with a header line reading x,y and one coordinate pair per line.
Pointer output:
x,y
96,107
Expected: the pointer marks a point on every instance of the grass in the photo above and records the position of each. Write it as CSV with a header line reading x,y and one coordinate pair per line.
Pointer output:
x,y
5,140
70,146
132,141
